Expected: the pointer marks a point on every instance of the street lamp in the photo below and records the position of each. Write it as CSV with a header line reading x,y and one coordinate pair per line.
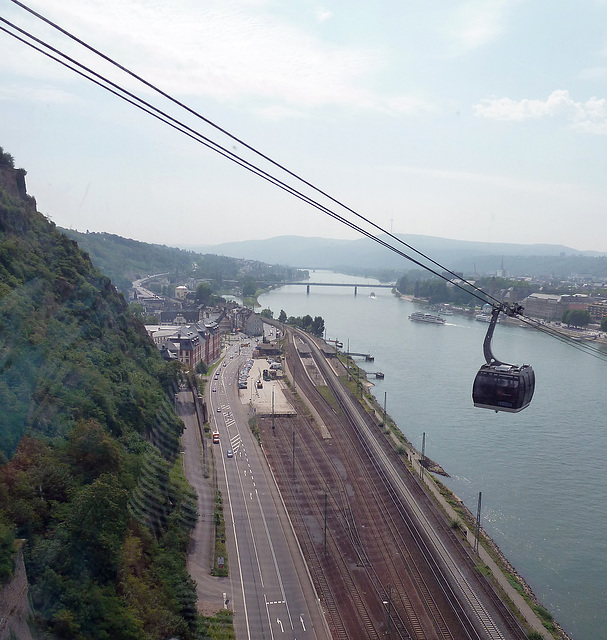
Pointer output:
x,y
388,603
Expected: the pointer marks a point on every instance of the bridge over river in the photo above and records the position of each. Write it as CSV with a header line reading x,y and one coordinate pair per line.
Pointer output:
x,y
355,285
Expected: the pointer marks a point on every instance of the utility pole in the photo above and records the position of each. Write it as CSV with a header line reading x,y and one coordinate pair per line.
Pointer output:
x,y
421,461
272,406
385,397
388,603
478,523
325,543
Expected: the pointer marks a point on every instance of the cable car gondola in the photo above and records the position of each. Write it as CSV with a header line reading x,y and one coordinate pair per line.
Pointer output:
x,y
500,386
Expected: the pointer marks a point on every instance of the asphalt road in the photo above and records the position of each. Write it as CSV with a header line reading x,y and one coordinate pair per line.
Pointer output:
x,y
269,588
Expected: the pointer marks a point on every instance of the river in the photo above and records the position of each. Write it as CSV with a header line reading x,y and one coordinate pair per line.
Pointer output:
x,y
541,471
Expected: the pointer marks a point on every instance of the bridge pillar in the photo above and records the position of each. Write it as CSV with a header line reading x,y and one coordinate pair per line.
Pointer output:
x,y
355,290
308,289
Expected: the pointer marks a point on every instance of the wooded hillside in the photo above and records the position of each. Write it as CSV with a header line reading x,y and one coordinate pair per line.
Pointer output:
x,y
124,260
91,476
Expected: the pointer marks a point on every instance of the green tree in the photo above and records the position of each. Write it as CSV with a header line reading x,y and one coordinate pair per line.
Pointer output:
x,y
249,288
91,450
7,550
137,310
282,316
401,284
6,159
604,324
318,326
96,525
266,313
577,317
204,293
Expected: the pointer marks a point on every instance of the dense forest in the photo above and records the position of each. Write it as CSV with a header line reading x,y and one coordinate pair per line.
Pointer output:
x,y
124,260
90,474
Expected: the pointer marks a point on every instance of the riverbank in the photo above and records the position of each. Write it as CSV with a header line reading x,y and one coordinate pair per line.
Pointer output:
x,y
514,588
429,372
593,334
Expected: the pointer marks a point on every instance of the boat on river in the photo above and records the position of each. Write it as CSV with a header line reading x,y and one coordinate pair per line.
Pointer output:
x,y
420,316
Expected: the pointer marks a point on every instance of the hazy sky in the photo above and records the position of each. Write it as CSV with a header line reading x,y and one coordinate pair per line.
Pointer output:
x,y
468,119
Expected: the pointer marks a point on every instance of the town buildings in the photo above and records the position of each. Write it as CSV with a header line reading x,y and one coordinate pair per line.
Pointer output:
x,y
190,344
192,333
551,307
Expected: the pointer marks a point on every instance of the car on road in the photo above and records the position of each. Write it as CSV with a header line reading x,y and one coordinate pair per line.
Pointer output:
x,y
230,454
218,409
214,388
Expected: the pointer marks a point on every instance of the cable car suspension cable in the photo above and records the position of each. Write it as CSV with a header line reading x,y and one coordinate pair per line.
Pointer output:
x,y
163,117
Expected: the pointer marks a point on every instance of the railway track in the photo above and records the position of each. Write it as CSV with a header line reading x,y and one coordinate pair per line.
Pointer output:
x,y
399,596
430,538
386,465
377,566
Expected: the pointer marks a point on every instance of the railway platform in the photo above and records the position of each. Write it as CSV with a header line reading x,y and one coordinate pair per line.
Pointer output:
x,y
269,398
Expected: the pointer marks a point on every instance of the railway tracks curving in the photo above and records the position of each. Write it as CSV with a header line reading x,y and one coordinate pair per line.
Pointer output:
x,y
382,560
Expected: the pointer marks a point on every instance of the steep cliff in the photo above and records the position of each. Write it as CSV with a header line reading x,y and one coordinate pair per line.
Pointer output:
x,y
90,442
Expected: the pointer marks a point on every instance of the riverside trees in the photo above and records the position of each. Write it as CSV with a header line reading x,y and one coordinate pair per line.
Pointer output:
x,y
315,326
576,317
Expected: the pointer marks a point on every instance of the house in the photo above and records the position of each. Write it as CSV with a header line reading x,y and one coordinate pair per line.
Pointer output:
x,y
181,292
551,306
211,341
598,310
180,316
264,350
544,305
247,321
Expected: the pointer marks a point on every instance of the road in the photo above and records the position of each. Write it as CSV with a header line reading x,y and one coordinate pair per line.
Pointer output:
x,y
269,588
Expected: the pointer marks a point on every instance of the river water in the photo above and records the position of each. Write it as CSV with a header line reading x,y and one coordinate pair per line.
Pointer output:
x,y
541,471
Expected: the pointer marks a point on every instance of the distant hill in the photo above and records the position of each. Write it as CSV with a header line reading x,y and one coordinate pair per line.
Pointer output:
x,y
457,255
124,260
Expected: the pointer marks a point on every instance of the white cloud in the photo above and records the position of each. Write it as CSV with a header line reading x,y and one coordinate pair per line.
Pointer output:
x,y
479,22
594,74
406,105
322,14
504,182
277,112
237,53
589,116
508,109
231,52
13,93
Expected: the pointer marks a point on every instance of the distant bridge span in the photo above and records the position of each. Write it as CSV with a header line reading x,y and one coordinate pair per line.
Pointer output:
x,y
356,285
